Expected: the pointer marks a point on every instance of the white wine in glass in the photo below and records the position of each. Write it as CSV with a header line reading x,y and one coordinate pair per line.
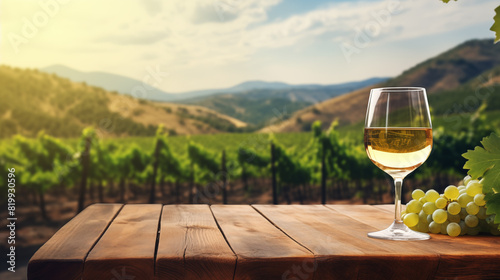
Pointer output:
x,y
398,139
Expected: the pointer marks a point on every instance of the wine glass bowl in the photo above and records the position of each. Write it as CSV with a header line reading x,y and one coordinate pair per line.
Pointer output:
x,y
398,139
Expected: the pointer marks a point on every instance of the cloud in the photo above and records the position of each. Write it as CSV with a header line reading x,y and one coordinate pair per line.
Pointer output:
x,y
153,7
144,38
206,35
208,32
386,21
217,12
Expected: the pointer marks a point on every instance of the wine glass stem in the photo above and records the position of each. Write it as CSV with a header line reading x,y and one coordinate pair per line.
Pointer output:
x,y
398,184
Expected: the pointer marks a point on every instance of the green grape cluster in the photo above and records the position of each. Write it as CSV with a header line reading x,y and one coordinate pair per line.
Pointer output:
x,y
458,211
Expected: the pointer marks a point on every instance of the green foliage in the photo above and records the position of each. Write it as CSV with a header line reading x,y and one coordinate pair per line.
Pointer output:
x,y
496,25
202,157
289,170
41,160
206,161
485,162
249,156
493,206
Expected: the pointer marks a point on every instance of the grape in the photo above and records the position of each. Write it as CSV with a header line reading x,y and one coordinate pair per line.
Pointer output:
x,y
463,228
422,217
471,221
429,208
417,194
451,192
429,218
474,187
411,219
481,214
441,203
444,226
454,208
413,206
457,211
431,195
440,216
473,230
453,229
479,199
423,227
472,208
453,218
467,179
434,227
463,199
463,213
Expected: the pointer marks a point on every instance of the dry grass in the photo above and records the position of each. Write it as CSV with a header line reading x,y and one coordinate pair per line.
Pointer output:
x,y
151,113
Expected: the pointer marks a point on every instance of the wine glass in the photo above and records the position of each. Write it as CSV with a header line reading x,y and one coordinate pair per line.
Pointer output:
x,y
398,139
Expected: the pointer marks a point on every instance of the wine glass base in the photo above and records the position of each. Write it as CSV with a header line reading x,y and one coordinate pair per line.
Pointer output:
x,y
399,231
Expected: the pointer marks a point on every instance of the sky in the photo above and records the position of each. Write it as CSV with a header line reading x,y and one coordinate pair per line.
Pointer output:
x,y
184,45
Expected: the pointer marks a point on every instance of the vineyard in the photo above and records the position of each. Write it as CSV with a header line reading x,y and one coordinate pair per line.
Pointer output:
x,y
319,166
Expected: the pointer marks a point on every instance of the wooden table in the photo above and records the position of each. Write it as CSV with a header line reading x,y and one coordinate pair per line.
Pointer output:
x,y
141,241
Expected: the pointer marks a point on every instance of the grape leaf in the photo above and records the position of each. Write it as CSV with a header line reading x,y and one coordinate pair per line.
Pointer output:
x,y
496,25
493,206
485,162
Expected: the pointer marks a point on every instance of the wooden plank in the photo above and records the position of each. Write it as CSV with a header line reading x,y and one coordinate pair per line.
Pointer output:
x,y
63,256
342,248
191,245
387,207
464,257
264,252
127,248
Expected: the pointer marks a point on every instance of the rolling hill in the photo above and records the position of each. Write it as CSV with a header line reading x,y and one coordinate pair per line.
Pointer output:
x,y
34,101
451,79
259,105
109,82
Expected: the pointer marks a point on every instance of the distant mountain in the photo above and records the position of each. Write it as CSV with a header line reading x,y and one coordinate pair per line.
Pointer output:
x,y
451,79
125,85
258,102
234,89
47,102
110,82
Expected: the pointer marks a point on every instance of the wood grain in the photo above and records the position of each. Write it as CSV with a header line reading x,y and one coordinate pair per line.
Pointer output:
x,y
108,241
342,248
127,248
464,257
63,256
191,245
264,252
